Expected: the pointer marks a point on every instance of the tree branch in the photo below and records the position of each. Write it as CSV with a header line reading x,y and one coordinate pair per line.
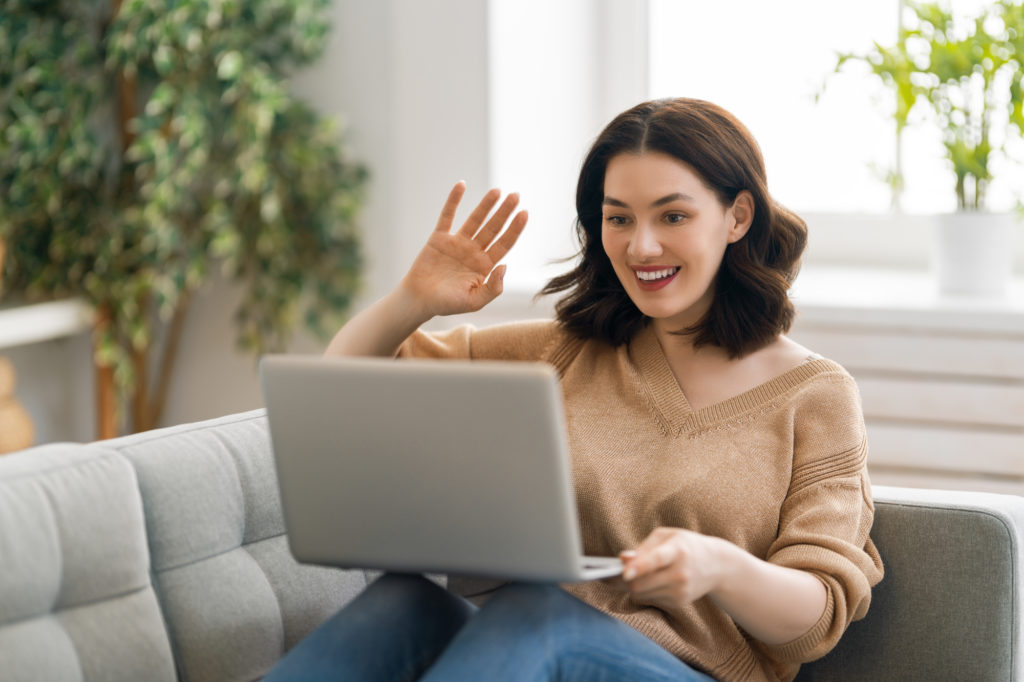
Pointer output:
x,y
168,359
106,394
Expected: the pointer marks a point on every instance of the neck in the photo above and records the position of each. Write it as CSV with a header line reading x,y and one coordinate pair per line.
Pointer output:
x,y
679,348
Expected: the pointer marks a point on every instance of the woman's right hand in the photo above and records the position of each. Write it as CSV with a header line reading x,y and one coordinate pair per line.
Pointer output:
x,y
456,271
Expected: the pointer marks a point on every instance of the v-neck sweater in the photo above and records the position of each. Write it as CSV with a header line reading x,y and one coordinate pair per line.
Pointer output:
x,y
778,470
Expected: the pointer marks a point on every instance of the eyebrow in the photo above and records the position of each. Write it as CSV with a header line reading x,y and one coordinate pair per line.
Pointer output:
x,y
667,199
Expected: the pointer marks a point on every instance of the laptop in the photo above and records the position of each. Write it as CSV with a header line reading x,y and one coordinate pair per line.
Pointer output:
x,y
443,466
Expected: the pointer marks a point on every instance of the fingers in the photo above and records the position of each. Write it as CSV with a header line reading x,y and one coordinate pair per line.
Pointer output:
x,y
650,577
509,238
479,214
493,226
651,560
444,223
657,551
483,236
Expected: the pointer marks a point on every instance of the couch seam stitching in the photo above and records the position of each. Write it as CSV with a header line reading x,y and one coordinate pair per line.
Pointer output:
x,y
103,453
182,429
215,555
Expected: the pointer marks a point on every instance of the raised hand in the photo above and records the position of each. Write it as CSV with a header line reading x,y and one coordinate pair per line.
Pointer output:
x,y
458,272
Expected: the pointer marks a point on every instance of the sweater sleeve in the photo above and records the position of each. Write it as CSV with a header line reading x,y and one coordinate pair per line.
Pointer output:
x,y
826,517
514,341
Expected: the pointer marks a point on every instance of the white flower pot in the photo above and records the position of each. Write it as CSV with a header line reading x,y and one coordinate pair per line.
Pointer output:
x,y
972,253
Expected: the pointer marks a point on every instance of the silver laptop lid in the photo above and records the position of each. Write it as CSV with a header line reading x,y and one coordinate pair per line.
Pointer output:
x,y
416,465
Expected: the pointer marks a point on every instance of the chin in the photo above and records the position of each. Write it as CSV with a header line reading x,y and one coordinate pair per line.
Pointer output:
x,y
673,318
659,309
658,314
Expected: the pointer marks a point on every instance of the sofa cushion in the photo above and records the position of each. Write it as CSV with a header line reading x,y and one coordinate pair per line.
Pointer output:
x,y
234,598
76,601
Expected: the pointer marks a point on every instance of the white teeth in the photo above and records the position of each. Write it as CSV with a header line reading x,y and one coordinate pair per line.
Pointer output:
x,y
656,274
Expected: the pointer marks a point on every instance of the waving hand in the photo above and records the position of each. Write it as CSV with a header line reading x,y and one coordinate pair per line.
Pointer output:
x,y
458,272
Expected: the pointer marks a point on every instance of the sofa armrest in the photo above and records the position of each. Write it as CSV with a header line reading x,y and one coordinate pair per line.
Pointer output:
x,y
949,605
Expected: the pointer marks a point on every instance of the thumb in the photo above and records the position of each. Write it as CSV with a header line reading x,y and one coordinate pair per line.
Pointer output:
x,y
496,282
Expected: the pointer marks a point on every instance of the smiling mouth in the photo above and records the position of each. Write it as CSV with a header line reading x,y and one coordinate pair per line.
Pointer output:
x,y
656,275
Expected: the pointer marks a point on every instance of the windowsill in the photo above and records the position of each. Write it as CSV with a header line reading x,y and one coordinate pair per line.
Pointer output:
x,y
902,299
22,324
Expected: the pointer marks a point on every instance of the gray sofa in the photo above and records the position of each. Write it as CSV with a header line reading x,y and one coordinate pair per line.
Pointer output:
x,y
162,556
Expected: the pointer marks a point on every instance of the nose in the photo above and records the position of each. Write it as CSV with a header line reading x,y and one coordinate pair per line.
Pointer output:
x,y
644,243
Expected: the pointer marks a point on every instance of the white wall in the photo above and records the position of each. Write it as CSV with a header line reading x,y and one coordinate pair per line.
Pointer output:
x,y
55,384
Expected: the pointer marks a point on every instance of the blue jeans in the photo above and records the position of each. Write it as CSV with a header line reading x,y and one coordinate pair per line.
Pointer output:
x,y
406,628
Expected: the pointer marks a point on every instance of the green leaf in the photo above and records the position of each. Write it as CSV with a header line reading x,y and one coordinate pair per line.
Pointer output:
x,y
229,65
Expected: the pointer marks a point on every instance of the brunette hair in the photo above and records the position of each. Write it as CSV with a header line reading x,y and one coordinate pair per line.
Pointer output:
x,y
750,306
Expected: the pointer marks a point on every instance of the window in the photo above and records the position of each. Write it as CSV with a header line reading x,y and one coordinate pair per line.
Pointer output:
x,y
766,61
560,71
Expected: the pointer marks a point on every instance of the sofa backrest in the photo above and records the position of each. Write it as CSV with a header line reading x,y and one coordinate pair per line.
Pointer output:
x,y
949,605
234,598
76,597
188,517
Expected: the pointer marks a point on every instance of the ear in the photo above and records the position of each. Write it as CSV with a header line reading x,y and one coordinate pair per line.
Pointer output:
x,y
742,211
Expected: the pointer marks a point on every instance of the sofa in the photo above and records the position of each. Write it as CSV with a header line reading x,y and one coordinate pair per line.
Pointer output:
x,y
163,556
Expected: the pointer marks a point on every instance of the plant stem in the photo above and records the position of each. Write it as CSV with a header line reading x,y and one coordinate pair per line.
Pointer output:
x,y
106,395
169,358
127,108
140,402
141,413
897,188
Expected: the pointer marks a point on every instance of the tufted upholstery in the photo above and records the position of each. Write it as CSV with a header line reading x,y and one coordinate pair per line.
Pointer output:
x,y
76,600
93,538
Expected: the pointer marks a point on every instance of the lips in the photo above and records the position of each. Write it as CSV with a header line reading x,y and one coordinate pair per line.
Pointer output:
x,y
652,278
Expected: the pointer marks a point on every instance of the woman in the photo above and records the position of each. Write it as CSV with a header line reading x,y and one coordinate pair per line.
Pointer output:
x,y
723,462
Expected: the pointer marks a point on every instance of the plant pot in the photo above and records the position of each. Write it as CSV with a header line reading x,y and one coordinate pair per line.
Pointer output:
x,y
972,253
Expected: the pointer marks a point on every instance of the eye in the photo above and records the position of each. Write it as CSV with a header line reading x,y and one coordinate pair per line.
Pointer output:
x,y
674,218
616,220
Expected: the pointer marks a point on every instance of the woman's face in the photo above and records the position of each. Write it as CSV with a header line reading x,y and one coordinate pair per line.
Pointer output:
x,y
665,233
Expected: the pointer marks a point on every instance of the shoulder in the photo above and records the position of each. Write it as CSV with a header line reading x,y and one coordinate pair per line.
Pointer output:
x,y
525,340
801,373
528,340
828,419
781,355
816,377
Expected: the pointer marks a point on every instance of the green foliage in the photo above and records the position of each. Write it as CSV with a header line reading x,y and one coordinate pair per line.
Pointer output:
x,y
224,166
53,161
968,73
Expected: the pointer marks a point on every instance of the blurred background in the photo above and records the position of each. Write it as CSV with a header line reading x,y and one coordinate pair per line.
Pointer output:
x,y
510,93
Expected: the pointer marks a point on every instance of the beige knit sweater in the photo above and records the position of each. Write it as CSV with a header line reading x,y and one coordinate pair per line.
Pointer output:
x,y
778,470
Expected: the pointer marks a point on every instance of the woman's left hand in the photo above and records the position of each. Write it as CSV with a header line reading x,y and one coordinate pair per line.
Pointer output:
x,y
673,567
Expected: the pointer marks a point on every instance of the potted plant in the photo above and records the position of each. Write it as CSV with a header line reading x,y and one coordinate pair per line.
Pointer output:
x,y
149,142
964,76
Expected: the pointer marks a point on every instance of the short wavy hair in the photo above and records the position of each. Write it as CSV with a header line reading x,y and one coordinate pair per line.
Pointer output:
x,y
751,306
